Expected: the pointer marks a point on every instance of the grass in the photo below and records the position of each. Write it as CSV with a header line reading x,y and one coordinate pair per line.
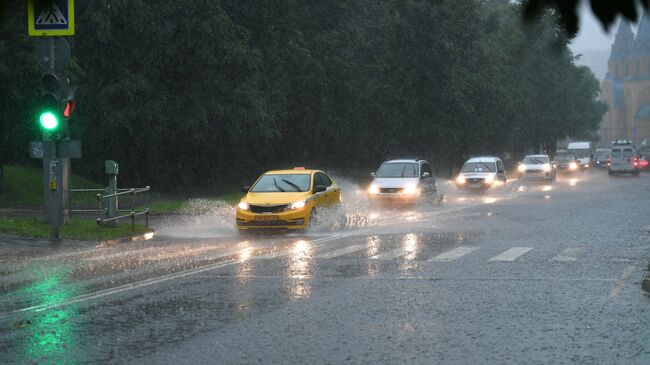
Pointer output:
x,y
78,229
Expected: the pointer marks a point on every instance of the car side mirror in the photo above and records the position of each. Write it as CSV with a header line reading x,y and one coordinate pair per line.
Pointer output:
x,y
319,188
426,174
245,189
372,174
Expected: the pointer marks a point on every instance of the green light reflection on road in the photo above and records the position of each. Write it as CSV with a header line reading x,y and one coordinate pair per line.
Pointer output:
x,y
50,336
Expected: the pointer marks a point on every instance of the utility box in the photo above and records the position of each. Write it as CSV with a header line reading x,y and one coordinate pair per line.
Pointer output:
x,y
111,167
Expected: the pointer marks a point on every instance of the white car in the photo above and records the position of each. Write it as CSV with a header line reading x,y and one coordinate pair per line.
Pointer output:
x,y
403,181
623,159
537,167
480,173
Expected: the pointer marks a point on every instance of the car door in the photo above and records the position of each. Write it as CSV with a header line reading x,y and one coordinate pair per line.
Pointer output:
x,y
628,158
501,171
427,182
333,192
616,156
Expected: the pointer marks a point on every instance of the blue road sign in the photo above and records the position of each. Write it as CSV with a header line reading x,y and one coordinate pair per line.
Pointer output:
x,y
50,18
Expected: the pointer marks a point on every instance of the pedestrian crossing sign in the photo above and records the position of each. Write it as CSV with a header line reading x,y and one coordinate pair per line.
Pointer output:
x,y
50,17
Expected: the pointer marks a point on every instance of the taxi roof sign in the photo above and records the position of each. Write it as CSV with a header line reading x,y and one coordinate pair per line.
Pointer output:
x,y
299,168
50,17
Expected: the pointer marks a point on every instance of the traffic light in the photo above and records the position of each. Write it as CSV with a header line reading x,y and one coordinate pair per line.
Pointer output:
x,y
49,104
54,88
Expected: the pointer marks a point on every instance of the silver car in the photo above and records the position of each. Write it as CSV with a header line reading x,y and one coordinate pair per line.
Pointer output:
x,y
536,167
403,181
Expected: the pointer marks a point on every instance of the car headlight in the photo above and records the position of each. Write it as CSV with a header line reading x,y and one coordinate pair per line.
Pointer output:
x,y
546,167
298,204
410,189
522,168
373,189
489,179
460,179
573,165
243,206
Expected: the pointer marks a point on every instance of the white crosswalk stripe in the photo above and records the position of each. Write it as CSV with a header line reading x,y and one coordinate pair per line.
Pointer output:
x,y
341,251
454,254
568,255
511,254
389,255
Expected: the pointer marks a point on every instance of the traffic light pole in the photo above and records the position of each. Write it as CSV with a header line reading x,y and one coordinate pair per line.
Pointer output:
x,y
56,159
56,182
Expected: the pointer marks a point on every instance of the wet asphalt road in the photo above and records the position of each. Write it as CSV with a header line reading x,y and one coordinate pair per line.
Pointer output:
x,y
532,274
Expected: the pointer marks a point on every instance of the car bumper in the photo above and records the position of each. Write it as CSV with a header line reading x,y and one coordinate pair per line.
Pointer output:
x,y
297,219
536,176
394,198
566,170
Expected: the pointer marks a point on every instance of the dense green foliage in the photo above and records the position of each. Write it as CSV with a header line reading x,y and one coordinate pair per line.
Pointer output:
x,y
189,93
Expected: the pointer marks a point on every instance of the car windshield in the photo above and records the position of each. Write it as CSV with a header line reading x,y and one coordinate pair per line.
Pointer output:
x,y
479,167
536,160
580,153
564,157
397,169
273,183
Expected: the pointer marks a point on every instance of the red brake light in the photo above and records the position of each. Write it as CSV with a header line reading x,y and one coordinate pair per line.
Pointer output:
x,y
636,162
609,162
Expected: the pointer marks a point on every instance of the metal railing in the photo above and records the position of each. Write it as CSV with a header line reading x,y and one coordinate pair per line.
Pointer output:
x,y
102,209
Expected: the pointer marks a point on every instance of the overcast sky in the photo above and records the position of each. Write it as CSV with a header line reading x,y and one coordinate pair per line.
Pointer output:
x,y
592,36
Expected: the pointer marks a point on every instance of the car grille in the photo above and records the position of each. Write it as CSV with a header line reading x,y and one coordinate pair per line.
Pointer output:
x,y
390,190
475,180
298,222
267,209
534,171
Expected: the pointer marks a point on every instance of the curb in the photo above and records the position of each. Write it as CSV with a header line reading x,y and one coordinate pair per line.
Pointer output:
x,y
142,237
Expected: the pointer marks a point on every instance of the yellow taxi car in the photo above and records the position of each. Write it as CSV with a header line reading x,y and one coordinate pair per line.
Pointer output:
x,y
293,199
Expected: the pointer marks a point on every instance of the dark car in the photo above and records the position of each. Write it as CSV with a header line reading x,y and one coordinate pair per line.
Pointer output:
x,y
565,162
601,157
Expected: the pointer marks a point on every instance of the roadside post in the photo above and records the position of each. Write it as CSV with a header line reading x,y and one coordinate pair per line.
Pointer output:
x,y
51,19
112,170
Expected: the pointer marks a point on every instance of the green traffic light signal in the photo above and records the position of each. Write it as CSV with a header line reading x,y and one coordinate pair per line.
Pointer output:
x,y
48,121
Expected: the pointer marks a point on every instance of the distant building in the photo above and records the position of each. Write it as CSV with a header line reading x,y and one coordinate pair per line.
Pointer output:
x,y
626,87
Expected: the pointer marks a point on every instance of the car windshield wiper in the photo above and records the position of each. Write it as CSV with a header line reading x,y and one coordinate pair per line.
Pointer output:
x,y
278,186
487,167
296,187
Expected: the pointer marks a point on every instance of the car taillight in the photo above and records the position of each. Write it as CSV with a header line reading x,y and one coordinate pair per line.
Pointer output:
x,y
609,162
636,162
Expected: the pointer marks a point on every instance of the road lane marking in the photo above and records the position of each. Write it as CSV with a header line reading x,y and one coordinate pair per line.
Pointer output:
x,y
390,254
342,251
620,284
568,255
454,254
126,287
147,282
511,254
